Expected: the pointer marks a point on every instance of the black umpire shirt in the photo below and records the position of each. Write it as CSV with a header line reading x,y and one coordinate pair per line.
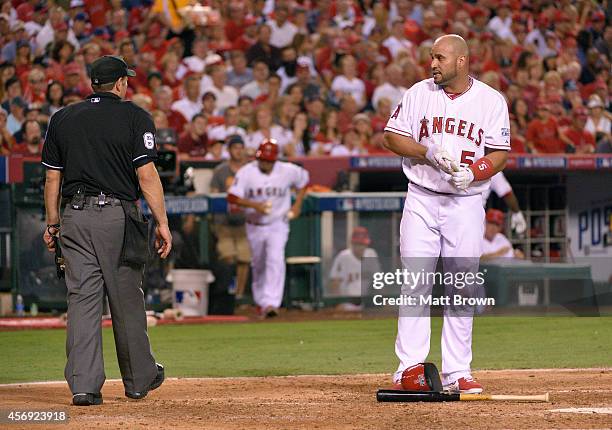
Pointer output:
x,y
98,144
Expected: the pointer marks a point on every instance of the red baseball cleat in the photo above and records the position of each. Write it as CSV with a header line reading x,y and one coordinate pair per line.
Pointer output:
x,y
465,385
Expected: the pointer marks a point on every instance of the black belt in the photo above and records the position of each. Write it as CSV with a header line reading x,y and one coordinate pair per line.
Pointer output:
x,y
255,223
433,191
95,201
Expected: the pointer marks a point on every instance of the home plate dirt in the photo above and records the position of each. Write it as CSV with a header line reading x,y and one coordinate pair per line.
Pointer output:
x,y
336,402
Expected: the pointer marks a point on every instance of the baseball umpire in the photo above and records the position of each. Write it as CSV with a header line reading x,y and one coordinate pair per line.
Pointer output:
x,y
99,152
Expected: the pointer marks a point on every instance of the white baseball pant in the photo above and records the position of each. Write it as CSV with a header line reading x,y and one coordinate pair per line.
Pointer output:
x,y
267,244
433,225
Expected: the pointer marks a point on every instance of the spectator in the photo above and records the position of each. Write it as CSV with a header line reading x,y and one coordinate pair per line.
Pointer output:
x,y
349,83
266,129
47,34
520,113
306,80
363,127
259,85
537,36
71,96
194,141
240,74
300,142
329,135
351,145
19,37
391,88
36,88
190,104
201,56
285,112
598,122
230,229
229,127
160,120
397,42
315,107
143,101
289,67
7,141
61,55
16,117
74,80
226,95
282,30
295,94
271,97
209,108
262,50
171,75
162,98
381,115
543,133
81,30
31,144
348,109
216,151
581,141
23,59
245,112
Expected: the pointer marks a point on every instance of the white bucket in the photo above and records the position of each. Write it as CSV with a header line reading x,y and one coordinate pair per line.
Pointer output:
x,y
190,291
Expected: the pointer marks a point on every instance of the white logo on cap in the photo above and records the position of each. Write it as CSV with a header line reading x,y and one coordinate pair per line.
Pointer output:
x,y
149,140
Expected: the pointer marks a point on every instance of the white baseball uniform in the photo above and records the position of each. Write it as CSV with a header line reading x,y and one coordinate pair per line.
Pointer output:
x,y
438,219
499,242
347,268
268,233
499,185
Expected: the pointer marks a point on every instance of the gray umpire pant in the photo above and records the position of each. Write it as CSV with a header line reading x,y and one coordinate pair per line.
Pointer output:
x,y
91,241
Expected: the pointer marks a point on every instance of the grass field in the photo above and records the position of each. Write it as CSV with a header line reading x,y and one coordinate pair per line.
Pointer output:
x,y
320,347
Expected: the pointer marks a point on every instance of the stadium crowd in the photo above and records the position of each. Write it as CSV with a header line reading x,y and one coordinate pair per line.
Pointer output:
x,y
319,76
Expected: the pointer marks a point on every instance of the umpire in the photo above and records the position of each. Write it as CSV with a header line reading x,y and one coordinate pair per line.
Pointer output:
x,y
100,153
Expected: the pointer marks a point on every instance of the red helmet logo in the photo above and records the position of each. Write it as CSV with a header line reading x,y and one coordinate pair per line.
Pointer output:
x,y
268,150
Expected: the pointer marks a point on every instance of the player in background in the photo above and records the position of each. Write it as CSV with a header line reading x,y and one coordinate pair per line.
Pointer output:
x,y
453,133
263,187
503,189
495,244
345,274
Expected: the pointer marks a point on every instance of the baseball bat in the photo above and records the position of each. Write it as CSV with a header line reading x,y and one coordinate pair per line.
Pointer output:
x,y
434,396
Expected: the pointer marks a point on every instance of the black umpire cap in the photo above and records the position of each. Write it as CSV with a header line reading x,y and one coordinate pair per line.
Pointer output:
x,y
108,69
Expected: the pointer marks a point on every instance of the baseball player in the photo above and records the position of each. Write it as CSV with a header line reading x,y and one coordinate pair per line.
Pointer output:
x,y
453,133
263,187
345,274
503,189
494,243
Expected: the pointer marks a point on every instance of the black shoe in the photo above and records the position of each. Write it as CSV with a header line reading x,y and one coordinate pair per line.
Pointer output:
x,y
271,312
87,399
159,379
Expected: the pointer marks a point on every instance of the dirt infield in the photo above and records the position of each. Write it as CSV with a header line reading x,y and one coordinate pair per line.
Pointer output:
x,y
325,402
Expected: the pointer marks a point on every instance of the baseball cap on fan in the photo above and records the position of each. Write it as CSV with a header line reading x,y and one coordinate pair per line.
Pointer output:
x,y
108,69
